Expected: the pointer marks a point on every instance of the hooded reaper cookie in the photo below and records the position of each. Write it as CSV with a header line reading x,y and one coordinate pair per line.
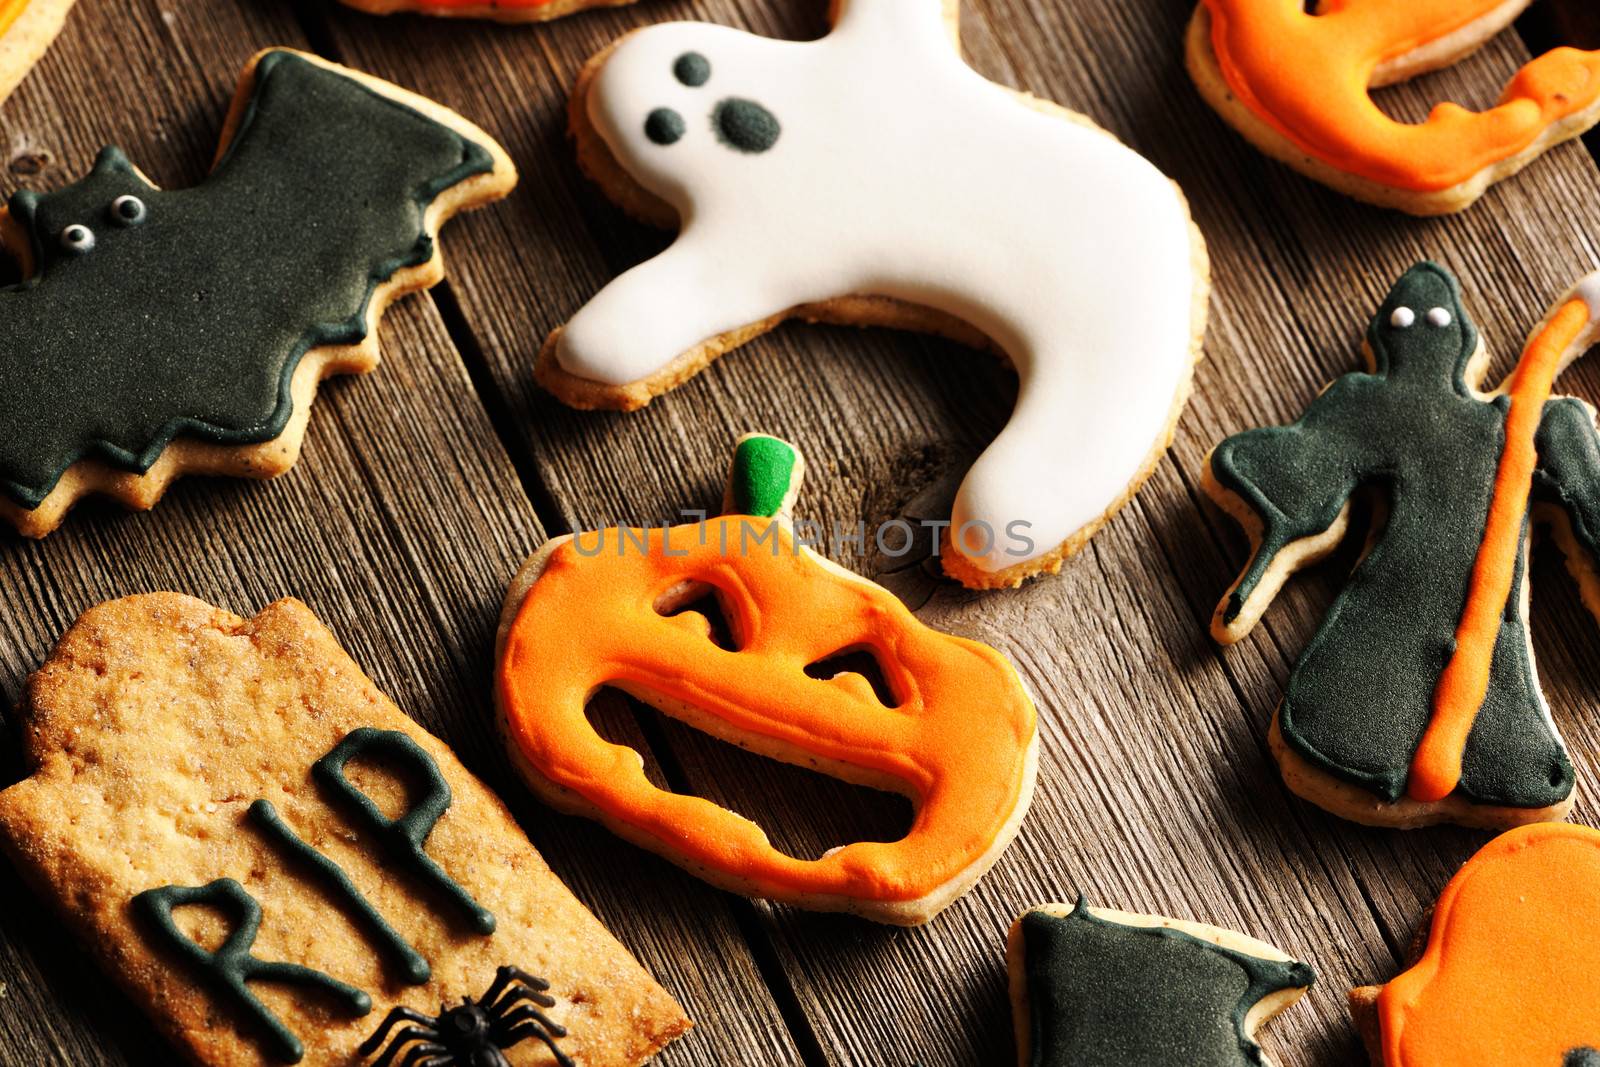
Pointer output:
x,y
1417,701
163,331
873,178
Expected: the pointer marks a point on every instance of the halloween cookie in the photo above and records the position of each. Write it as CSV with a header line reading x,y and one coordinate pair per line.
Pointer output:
x,y
1098,988
614,607
499,10
1507,973
161,332
271,858
921,197
1418,701
1316,112
27,28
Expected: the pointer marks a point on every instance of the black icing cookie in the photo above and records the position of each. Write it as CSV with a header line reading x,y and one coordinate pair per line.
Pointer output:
x,y
152,314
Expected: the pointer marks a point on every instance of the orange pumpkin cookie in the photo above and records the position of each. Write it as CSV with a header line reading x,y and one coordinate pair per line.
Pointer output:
x,y
1298,84
958,736
1510,975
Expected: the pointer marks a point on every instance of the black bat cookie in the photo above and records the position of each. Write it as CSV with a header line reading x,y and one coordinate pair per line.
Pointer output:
x,y
155,314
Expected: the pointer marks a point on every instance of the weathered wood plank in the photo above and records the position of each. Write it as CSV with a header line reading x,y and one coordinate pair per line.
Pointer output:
x,y
1156,792
399,527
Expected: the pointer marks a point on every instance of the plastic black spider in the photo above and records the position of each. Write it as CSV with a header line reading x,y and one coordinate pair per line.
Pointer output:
x,y
474,1034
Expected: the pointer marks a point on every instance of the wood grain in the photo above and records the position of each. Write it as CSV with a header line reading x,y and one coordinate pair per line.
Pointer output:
x,y
425,484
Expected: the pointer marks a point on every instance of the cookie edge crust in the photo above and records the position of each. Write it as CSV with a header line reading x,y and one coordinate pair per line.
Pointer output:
x,y
1261,1013
1206,73
27,40
863,310
491,11
275,456
895,913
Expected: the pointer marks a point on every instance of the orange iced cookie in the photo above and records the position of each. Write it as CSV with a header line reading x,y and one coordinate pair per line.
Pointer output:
x,y
957,736
1298,85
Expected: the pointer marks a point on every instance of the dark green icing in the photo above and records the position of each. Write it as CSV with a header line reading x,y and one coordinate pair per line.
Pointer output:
x,y
193,320
692,69
404,837
231,966
763,471
1360,696
412,967
1102,994
664,126
745,125
1581,1057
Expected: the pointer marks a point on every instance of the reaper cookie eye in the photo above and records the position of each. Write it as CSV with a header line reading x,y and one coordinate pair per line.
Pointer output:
x,y
664,126
77,239
692,69
1440,317
127,211
1402,318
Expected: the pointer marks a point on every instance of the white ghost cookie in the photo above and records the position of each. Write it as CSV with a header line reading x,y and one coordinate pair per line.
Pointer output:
x,y
873,178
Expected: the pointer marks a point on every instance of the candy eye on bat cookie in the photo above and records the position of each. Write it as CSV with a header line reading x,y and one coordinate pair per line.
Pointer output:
x,y
473,1034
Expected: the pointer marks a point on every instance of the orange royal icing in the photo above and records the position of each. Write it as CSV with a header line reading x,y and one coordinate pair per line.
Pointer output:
x,y
10,11
1309,77
1511,975
957,743
1436,768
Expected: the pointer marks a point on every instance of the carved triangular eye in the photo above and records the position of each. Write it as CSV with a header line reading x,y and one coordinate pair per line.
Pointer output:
x,y
862,662
700,604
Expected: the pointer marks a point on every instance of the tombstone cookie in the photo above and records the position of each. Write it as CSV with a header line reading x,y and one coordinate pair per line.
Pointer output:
x,y
27,28
955,732
1507,973
165,331
873,178
279,866
1316,112
1098,988
1417,701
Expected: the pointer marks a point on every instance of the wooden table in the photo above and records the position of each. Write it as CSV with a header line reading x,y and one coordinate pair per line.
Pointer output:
x,y
424,485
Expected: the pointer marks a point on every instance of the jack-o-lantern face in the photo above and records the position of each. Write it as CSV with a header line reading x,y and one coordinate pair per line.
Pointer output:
x,y
1511,974
957,737
1305,78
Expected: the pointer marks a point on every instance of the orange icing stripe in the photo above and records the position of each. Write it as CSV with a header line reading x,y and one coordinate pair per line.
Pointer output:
x,y
10,11
1309,77
1436,768
1511,974
957,744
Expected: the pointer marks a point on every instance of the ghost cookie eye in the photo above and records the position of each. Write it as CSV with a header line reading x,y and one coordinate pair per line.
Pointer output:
x,y
77,239
692,69
127,211
664,126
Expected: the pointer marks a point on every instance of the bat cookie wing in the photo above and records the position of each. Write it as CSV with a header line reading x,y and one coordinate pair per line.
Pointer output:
x,y
163,331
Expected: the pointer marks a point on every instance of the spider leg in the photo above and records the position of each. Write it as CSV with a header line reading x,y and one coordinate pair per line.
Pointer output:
x,y
396,1015
527,1013
504,976
425,1052
519,992
401,1039
526,1030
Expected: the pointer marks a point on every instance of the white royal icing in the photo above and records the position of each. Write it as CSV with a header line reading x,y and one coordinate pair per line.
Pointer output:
x,y
899,171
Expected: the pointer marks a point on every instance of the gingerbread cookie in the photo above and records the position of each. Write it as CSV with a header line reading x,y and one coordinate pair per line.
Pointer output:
x,y
1418,701
1507,973
956,734
271,858
1098,988
162,332
499,10
27,28
1316,113
922,197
